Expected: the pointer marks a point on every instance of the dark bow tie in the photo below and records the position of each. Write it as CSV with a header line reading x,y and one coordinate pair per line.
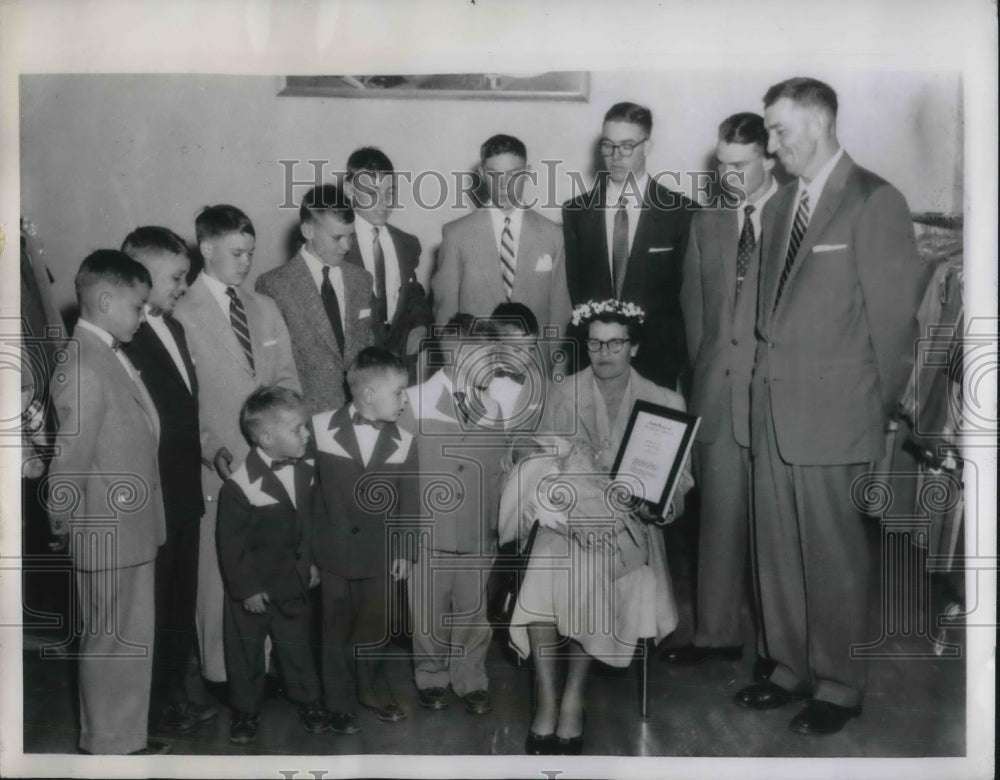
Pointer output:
x,y
357,419
280,463
115,344
513,375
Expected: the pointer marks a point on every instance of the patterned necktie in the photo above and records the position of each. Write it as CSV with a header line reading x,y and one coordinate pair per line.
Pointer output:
x,y
381,300
332,308
507,258
357,419
744,252
794,242
238,319
619,247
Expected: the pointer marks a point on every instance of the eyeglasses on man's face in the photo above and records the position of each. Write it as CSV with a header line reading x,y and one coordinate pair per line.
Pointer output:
x,y
614,346
625,148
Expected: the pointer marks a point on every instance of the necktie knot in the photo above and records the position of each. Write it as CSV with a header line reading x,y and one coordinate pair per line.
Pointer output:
x,y
357,419
326,273
115,344
231,292
279,463
750,209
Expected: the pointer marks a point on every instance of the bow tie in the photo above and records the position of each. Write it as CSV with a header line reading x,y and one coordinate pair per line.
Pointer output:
x,y
512,375
115,345
280,463
357,419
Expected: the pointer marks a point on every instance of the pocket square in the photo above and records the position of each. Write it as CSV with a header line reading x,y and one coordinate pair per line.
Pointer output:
x,y
364,313
544,264
828,247
270,343
657,249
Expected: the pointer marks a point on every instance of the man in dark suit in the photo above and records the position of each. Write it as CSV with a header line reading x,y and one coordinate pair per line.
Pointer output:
x,y
402,308
160,352
719,302
326,302
626,239
840,281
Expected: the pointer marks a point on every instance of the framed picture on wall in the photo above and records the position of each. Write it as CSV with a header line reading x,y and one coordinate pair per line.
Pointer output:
x,y
552,85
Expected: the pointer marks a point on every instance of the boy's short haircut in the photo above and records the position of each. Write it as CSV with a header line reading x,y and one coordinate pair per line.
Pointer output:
x,y
326,198
221,220
515,314
153,239
109,266
372,362
368,159
631,113
502,144
261,403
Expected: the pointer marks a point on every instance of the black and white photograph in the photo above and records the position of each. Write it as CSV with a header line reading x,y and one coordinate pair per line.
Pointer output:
x,y
587,390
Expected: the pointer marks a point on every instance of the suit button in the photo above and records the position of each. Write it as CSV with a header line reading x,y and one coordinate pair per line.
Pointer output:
x,y
355,530
727,372
771,344
461,467
735,342
765,380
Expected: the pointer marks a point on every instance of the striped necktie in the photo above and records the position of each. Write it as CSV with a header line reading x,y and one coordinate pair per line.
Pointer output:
x,y
619,247
238,319
794,242
507,258
381,297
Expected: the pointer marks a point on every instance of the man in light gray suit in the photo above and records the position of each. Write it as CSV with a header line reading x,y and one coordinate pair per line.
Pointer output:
x,y
239,342
503,252
327,303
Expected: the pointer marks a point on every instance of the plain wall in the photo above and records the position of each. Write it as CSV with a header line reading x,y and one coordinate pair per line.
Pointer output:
x,y
102,154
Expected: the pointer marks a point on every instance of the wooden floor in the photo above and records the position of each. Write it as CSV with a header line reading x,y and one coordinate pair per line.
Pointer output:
x,y
915,705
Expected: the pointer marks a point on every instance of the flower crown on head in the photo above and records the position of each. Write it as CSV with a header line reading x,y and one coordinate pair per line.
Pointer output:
x,y
592,309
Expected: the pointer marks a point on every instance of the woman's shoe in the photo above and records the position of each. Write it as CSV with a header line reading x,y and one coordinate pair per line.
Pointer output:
x,y
571,746
540,744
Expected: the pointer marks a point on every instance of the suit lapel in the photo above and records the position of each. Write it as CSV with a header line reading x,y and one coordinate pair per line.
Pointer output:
x,y
776,239
596,231
150,340
115,368
177,331
344,435
257,470
216,324
385,445
304,291
528,253
728,240
489,262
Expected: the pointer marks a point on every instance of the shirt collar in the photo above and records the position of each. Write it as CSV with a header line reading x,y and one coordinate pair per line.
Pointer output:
x,y
498,216
264,457
98,331
815,187
758,204
366,228
316,266
150,315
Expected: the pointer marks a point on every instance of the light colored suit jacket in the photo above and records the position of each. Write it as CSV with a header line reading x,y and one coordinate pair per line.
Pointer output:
x,y
837,350
320,364
105,476
718,326
468,277
224,376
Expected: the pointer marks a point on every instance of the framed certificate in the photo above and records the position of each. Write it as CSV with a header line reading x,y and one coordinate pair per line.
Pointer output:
x,y
656,444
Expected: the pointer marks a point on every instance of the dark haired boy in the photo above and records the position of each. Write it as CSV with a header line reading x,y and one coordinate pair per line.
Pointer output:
x,y
265,551
239,342
160,352
107,461
402,311
504,251
367,472
326,302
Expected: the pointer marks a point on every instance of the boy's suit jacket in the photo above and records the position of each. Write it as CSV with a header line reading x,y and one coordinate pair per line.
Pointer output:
x,y
354,501
468,277
264,540
105,472
464,465
224,376
413,307
320,363
837,350
177,406
652,275
718,325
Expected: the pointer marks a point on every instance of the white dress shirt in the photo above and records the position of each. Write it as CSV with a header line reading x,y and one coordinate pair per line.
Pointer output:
x,y
286,475
218,290
316,266
516,219
367,435
163,333
815,187
633,194
365,232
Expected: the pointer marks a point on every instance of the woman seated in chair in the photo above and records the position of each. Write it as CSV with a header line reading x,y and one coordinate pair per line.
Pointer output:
x,y
597,580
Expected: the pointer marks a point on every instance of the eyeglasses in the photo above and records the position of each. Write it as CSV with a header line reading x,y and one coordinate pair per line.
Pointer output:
x,y
625,148
614,345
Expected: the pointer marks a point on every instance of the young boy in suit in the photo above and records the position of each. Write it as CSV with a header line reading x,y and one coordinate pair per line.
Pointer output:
x,y
367,473
264,540
106,504
160,352
239,342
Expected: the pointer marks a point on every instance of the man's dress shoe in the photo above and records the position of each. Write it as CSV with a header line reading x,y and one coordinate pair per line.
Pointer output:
x,y
433,698
822,717
766,696
692,655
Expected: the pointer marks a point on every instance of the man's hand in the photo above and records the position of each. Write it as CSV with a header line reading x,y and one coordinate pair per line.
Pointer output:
x,y
400,569
223,462
257,604
643,514
413,339
313,575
